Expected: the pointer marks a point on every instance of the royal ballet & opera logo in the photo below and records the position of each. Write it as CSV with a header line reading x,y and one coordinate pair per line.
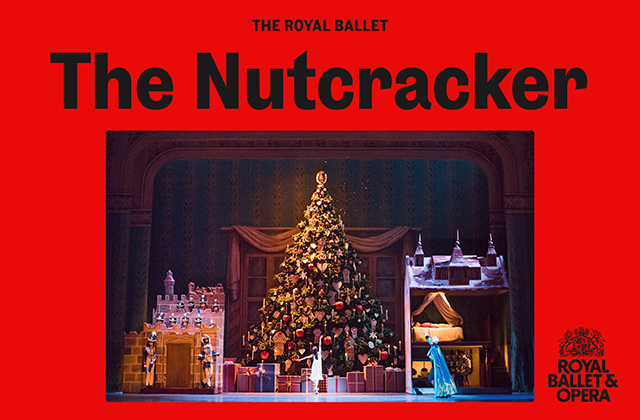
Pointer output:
x,y
582,374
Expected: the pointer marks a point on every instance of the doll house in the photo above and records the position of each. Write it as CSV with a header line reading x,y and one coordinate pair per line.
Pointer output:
x,y
469,315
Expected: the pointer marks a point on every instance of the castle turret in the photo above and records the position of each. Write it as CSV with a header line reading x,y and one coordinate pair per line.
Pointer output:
x,y
169,282
457,257
491,256
458,265
418,256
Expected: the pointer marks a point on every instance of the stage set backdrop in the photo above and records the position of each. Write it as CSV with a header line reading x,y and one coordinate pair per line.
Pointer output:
x,y
175,201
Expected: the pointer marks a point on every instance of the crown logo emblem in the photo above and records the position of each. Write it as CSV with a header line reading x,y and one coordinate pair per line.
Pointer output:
x,y
582,342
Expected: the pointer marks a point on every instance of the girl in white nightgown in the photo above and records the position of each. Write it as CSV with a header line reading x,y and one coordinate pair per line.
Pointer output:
x,y
316,367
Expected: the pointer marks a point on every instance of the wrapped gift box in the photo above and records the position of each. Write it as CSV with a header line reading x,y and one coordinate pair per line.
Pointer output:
x,y
289,383
393,380
229,376
374,378
400,380
267,377
322,386
355,382
247,376
307,384
336,384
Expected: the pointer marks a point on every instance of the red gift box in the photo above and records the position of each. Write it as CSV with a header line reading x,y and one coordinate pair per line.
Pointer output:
x,y
394,380
400,380
390,380
307,384
289,383
229,376
322,386
247,376
355,382
374,378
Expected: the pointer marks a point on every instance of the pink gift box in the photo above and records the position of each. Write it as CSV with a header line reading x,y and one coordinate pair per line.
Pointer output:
x,y
355,382
374,378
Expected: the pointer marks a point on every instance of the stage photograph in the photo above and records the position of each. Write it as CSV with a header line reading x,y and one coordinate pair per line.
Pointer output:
x,y
308,266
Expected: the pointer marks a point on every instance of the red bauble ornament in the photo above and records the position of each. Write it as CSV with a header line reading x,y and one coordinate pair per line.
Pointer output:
x,y
312,267
327,341
296,291
359,308
299,332
384,355
264,355
286,318
339,306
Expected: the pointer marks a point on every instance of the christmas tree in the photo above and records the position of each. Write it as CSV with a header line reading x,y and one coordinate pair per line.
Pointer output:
x,y
320,293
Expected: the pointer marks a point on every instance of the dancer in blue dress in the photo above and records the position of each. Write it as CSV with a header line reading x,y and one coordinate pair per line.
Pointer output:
x,y
443,384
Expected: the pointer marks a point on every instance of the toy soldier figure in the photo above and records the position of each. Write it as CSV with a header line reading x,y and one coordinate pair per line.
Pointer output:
x,y
185,322
173,320
207,360
203,304
463,369
149,361
192,291
191,304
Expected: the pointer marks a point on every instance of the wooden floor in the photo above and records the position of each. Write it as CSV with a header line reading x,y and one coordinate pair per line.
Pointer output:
x,y
426,396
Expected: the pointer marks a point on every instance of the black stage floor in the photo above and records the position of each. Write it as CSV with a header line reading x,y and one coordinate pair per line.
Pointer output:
x,y
427,396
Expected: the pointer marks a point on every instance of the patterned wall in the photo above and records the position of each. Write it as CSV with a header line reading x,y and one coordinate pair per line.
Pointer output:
x,y
193,199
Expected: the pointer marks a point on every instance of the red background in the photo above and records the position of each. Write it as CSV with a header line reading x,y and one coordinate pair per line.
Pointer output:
x,y
53,174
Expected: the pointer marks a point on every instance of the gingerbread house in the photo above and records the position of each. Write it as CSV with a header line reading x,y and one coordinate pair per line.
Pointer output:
x,y
180,323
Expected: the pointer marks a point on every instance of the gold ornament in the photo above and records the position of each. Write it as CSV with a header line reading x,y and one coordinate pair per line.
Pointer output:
x,y
321,177
349,348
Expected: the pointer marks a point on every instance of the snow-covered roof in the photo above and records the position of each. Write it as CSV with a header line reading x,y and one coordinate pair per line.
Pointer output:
x,y
457,258
424,277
